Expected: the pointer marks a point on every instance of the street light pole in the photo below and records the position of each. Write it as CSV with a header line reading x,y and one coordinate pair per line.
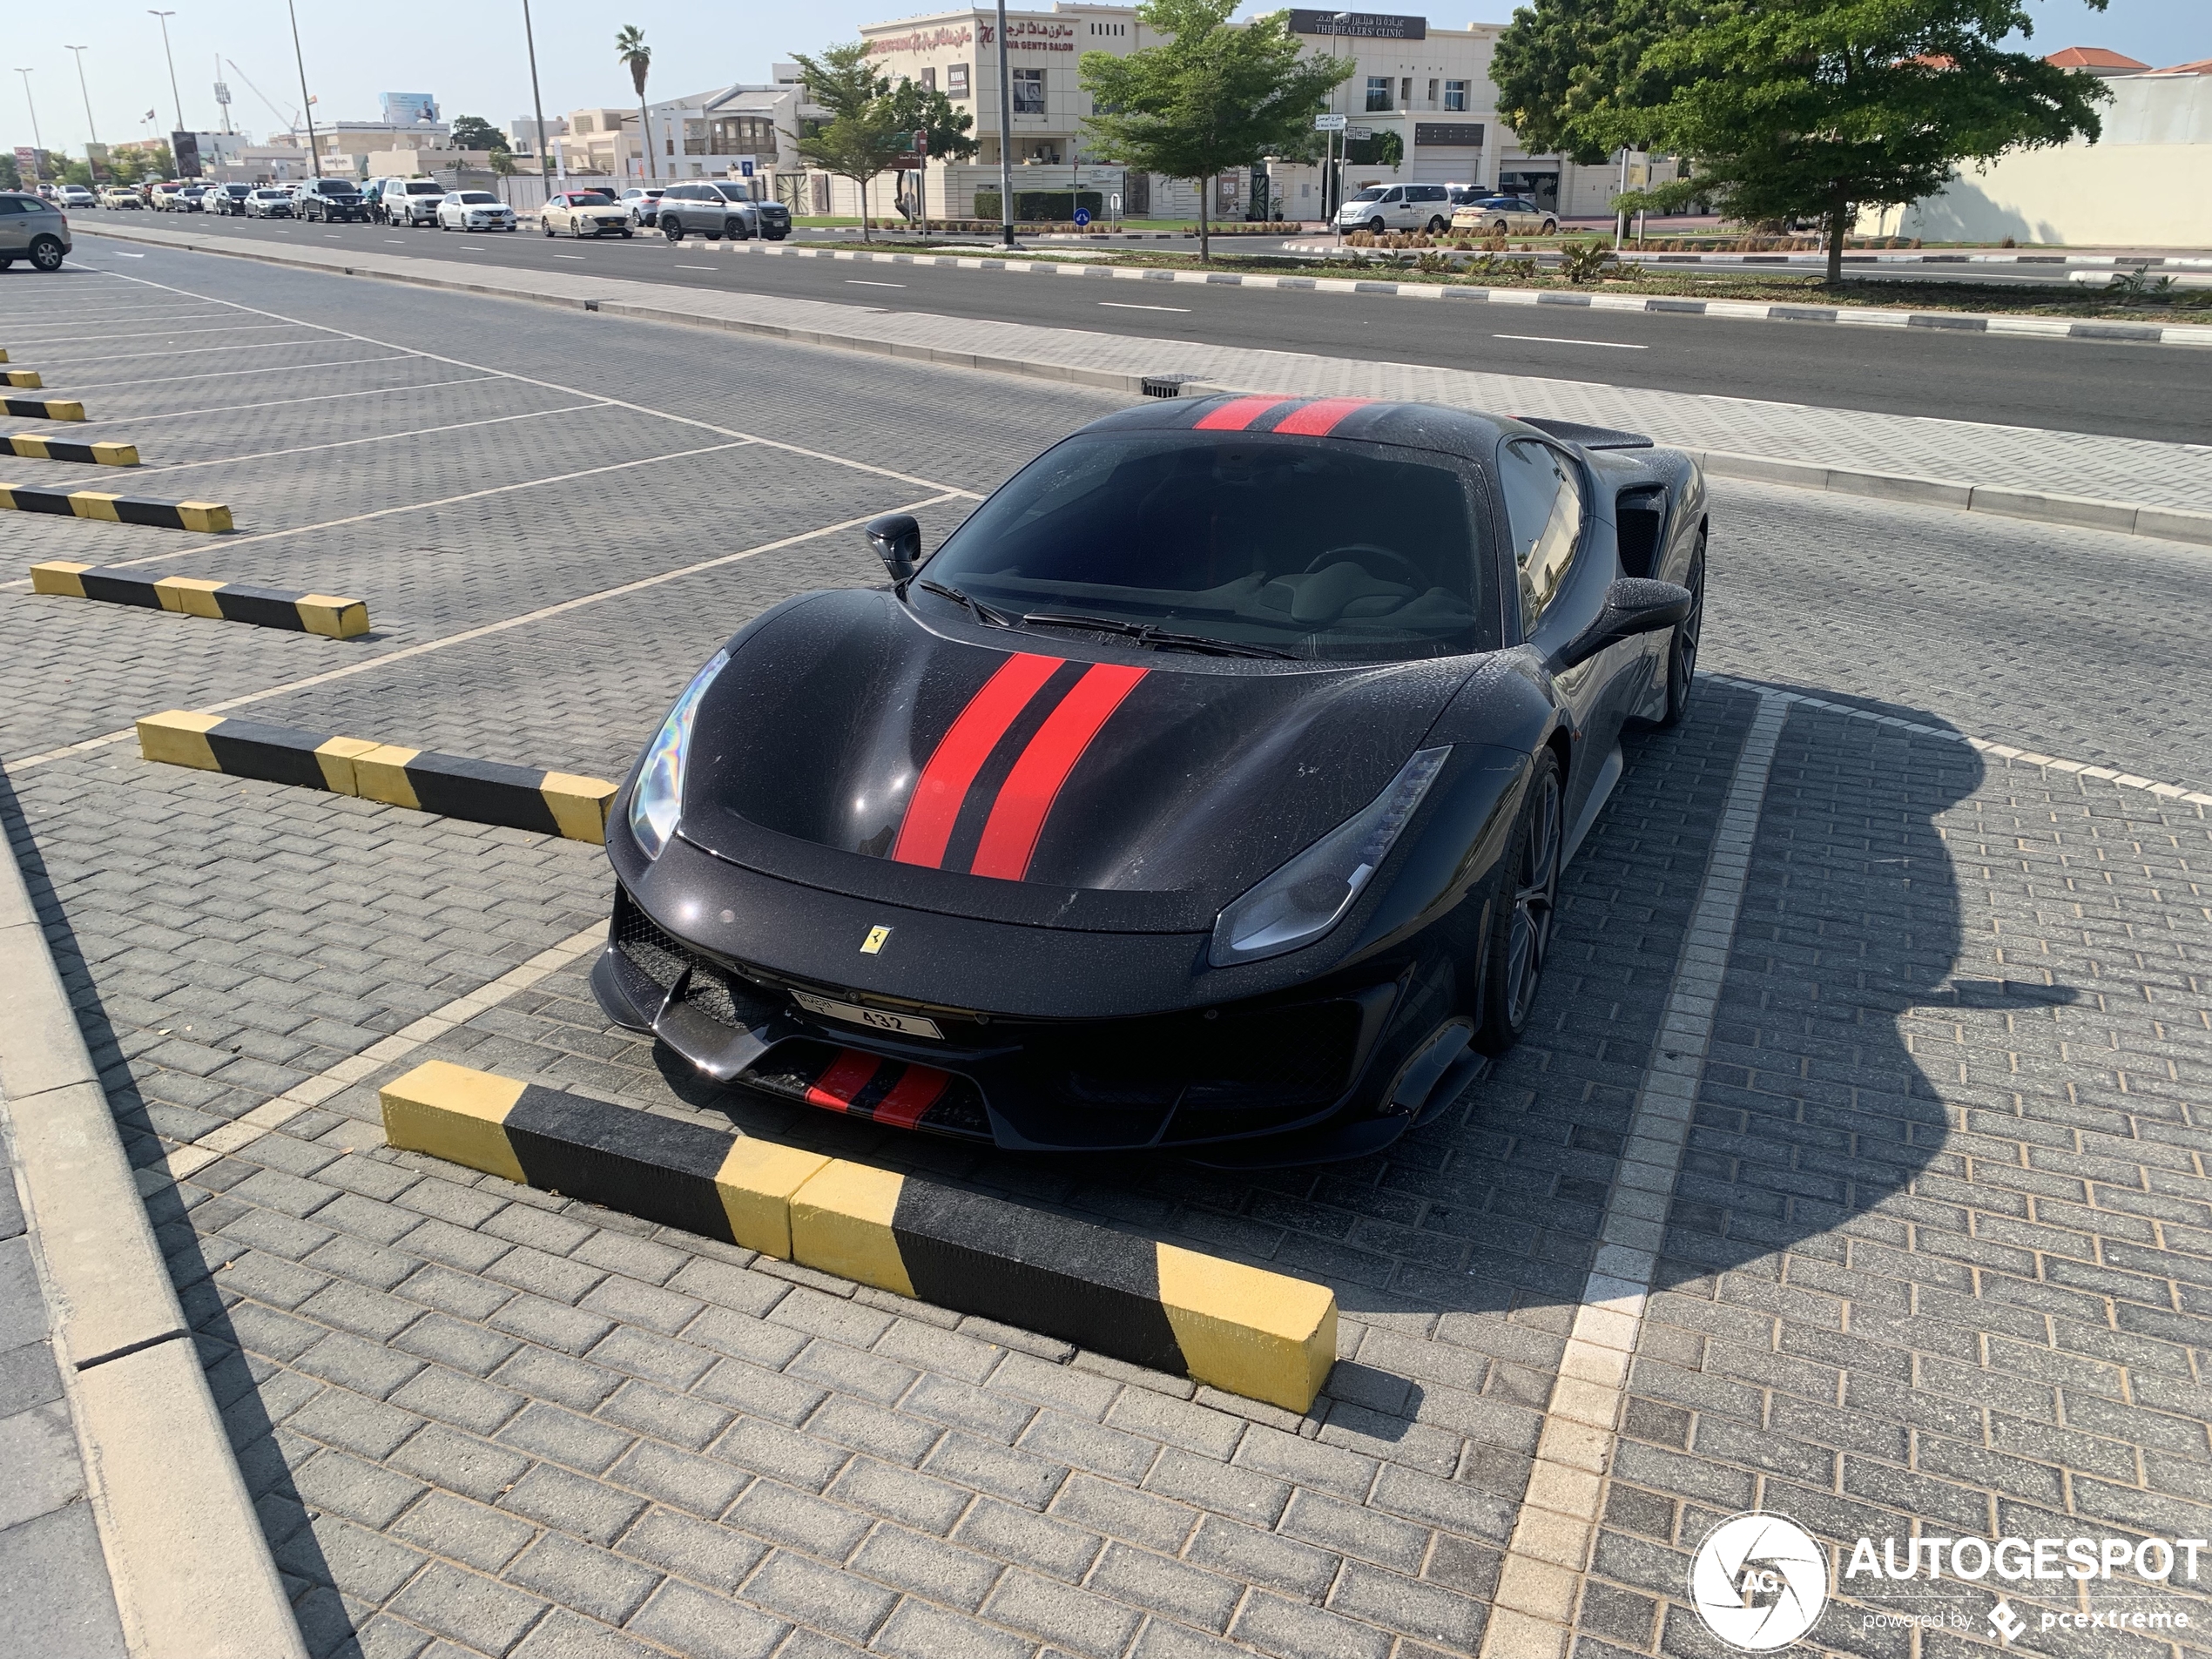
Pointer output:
x,y
175,97
537,104
89,125
306,102
1006,135
33,103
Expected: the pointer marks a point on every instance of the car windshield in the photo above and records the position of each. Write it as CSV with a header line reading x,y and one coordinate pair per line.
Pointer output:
x,y
733,192
425,187
1373,193
1320,548
476,197
270,195
592,198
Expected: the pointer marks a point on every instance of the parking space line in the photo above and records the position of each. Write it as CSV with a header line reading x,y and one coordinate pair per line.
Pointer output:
x,y
577,391
1552,1533
481,631
285,403
193,351
280,369
381,437
21,344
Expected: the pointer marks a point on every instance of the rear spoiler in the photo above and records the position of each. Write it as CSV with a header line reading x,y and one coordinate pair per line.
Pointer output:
x,y
1589,437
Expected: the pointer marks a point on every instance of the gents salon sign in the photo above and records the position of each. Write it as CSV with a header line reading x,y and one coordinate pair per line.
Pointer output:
x,y
1358,25
921,40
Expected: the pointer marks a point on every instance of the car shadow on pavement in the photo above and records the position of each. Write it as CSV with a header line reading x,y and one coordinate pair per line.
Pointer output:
x,y
232,1377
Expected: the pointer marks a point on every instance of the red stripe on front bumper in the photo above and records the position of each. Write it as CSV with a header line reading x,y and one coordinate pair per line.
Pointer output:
x,y
912,1095
847,1076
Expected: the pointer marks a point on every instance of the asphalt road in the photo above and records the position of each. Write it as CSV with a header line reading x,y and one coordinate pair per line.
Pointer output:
x,y
2150,392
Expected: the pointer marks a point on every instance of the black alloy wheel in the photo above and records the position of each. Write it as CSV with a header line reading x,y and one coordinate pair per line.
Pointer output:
x,y
1520,928
1682,649
672,228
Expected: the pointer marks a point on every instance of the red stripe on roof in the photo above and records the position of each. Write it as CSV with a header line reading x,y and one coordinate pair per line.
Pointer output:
x,y
912,1095
847,1076
1237,415
960,754
1320,418
1025,799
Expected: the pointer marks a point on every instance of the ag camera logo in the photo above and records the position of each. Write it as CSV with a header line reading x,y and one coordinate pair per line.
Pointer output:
x,y
1759,1581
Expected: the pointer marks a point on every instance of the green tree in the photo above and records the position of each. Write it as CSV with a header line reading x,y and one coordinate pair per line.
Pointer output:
x,y
862,135
1385,148
1210,99
1790,108
474,132
11,176
913,108
631,52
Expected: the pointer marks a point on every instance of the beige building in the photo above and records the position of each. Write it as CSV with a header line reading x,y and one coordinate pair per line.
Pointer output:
x,y
2145,183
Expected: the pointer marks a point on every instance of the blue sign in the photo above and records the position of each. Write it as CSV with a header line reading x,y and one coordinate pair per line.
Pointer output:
x,y
745,169
1082,216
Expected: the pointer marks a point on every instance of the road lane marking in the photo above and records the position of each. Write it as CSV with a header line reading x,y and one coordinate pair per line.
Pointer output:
x,y
862,282
1534,1604
1556,340
568,256
698,267
1125,305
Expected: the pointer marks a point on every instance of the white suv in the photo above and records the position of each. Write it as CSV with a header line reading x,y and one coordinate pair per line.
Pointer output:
x,y
1396,207
412,201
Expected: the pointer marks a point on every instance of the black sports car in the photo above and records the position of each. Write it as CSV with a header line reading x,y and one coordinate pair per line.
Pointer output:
x,y
1210,784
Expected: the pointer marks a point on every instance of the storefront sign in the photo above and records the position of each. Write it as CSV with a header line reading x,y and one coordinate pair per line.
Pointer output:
x,y
1359,25
1030,36
922,40
1447,135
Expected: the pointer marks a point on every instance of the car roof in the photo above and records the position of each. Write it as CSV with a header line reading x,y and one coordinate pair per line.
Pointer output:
x,y
1420,426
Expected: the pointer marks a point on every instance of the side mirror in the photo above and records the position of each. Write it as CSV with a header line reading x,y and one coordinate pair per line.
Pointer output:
x,y
897,541
1633,606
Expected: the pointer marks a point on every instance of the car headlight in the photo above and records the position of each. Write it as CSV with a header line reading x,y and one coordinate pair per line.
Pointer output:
x,y
659,797
1310,894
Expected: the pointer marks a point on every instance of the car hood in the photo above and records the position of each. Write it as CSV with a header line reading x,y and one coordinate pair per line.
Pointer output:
x,y
1031,776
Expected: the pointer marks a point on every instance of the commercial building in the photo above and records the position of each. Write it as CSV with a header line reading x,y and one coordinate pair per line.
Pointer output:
x,y
2145,183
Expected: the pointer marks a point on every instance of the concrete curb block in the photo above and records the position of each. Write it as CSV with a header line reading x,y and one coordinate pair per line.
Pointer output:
x,y
42,408
210,517
190,1565
26,380
2164,523
307,613
30,447
482,792
1245,1330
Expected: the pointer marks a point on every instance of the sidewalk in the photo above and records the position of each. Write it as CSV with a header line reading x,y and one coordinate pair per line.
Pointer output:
x,y
2104,470
58,1601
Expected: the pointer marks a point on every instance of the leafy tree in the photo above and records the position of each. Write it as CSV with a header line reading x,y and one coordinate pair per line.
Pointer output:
x,y
1384,149
474,132
11,175
1210,99
1789,108
862,135
914,108
632,50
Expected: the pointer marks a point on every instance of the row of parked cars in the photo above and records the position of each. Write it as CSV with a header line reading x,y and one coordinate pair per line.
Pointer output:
x,y
713,209
1468,209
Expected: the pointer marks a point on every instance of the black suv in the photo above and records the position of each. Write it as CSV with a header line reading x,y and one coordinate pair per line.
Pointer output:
x,y
720,212
333,199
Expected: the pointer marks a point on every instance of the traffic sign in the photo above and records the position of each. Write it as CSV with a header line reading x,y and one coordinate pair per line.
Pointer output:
x,y
745,169
1330,123
1082,216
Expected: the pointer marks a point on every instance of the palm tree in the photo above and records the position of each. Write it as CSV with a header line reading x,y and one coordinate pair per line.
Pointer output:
x,y
631,49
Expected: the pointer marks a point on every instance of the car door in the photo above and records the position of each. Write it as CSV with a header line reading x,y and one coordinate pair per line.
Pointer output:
x,y
16,218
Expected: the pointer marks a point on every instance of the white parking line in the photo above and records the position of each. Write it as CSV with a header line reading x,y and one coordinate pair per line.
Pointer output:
x,y
223,373
1554,339
163,333
862,282
283,402
381,437
188,351
1125,305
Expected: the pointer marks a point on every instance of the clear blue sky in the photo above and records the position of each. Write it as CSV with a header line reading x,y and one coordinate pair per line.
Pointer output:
x,y
470,53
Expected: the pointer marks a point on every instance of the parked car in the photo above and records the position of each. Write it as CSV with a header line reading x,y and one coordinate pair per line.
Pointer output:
x,y
193,199
474,210
411,201
68,196
120,196
31,229
270,201
1505,216
329,199
1396,207
162,198
644,203
720,211
585,212
228,198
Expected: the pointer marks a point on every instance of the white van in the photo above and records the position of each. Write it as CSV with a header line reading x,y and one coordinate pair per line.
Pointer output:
x,y
1398,207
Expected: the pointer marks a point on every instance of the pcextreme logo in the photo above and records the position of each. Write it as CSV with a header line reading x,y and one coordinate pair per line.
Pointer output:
x,y
1759,1581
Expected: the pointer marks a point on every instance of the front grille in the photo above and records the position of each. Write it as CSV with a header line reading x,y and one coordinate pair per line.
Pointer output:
x,y
712,988
1284,1060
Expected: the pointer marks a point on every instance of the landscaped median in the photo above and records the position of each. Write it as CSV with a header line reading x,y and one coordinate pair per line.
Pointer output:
x,y
1240,1329
483,791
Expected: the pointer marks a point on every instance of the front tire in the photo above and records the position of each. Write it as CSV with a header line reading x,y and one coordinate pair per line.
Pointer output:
x,y
673,230
1524,912
1682,648
1377,227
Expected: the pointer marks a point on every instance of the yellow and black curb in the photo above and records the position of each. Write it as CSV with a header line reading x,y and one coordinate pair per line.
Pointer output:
x,y
24,379
95,455
310,613
1240,1329
210,517
483,791
42,408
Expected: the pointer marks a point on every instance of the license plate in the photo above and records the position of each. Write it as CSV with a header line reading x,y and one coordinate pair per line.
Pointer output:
x,y
912,1025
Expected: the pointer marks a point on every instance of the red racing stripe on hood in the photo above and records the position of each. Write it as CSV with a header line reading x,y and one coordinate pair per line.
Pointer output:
x,y
960,754
1025,799
1320,418
1237,415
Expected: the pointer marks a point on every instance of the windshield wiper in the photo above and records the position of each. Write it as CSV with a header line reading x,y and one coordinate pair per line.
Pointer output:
x,y
1144,634
983,612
